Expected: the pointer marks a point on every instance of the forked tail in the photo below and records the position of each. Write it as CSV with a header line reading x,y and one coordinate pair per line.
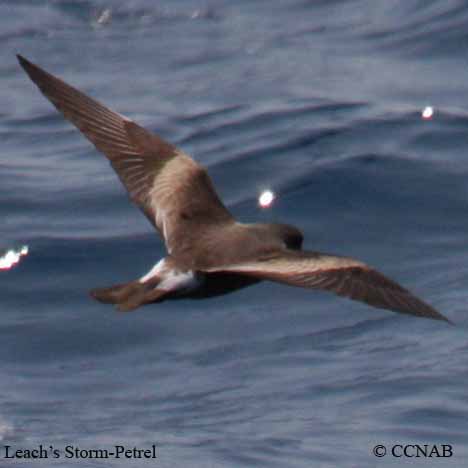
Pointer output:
x,y
129,296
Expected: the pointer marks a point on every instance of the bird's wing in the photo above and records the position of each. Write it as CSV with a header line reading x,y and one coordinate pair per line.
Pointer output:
x,y
174,192
341,275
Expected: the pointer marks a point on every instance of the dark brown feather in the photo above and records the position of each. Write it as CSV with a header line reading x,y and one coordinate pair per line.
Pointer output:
x,y
341,275
178,197
166,183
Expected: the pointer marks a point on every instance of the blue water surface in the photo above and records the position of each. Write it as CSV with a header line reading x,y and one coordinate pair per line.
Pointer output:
x,y
319,101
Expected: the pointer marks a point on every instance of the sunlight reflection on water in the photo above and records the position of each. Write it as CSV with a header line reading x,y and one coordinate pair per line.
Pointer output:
x,y
11,257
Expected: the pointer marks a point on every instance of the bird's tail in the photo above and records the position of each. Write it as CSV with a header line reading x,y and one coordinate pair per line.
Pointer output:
x,y
116,293
128,296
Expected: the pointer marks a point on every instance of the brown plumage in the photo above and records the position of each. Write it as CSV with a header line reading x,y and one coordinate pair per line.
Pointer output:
x,y
209,252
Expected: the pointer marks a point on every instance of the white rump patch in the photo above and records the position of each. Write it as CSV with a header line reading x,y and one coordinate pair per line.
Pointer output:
x,y
181,282
155,271
172,279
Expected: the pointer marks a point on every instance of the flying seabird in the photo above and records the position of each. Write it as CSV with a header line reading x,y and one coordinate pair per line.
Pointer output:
x,y
208,252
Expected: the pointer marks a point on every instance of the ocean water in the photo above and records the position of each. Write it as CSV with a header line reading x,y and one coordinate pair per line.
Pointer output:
x,y
319,101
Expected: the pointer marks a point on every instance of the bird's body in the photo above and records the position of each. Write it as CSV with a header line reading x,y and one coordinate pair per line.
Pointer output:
x,y
185,274
209,252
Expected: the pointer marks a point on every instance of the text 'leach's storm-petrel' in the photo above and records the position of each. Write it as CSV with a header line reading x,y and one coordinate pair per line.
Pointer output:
x,y
209,252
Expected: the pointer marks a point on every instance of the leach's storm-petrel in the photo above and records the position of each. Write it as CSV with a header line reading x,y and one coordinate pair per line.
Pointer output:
x,y
209,252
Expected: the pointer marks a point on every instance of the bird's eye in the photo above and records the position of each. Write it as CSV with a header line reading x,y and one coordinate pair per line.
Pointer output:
x,y
294,242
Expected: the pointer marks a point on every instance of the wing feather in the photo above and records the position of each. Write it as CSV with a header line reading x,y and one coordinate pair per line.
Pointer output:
x,y
161,179
343,276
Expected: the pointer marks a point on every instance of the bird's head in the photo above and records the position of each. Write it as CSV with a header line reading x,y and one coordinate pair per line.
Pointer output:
x,y
289,235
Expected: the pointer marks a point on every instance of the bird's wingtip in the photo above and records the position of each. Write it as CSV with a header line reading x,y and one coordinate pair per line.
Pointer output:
x,y
25,63
453,324
442,318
